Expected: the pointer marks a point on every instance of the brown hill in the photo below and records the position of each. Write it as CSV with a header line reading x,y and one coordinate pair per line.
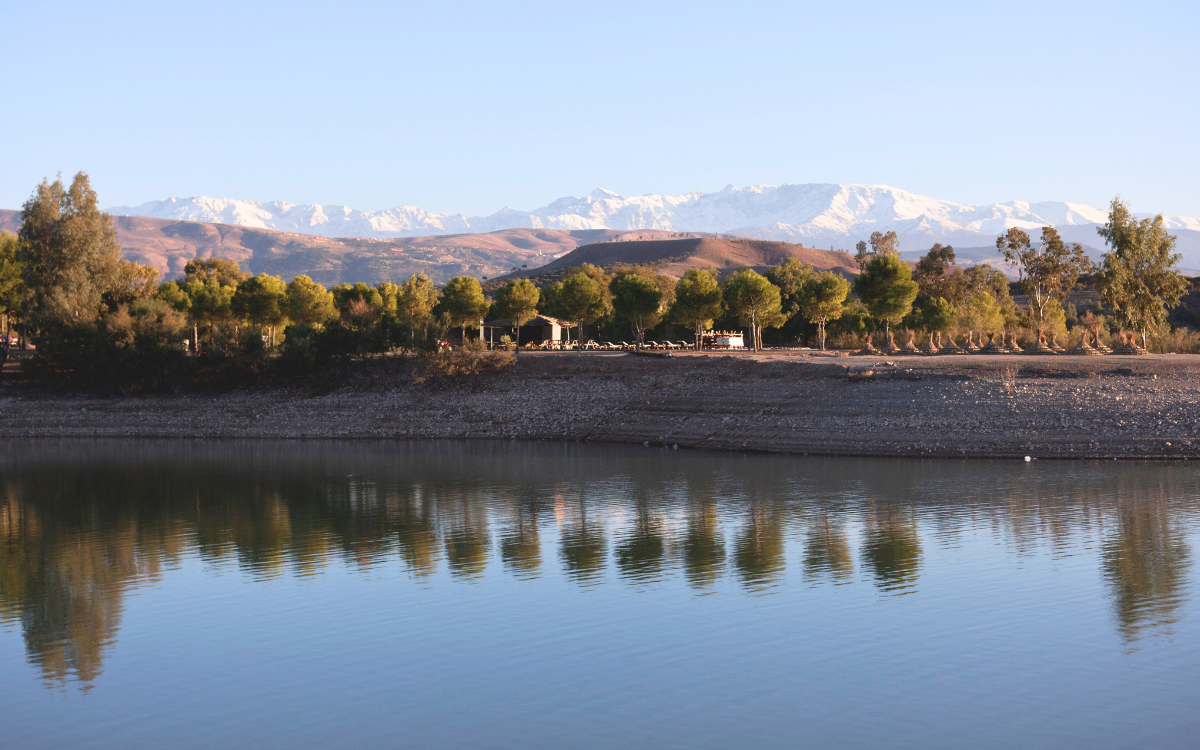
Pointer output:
x,y
675,256
167,245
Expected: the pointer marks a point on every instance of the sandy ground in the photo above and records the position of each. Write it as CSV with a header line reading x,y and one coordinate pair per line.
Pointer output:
x,y
781,401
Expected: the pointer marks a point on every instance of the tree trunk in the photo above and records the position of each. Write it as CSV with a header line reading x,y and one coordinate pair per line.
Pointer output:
x,y
1144,340
821,332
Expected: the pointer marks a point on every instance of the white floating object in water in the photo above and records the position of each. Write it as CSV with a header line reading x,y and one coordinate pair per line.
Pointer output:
x,y
1027,458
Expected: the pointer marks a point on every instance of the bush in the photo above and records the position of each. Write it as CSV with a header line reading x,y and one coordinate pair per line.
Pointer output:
x,y
456,363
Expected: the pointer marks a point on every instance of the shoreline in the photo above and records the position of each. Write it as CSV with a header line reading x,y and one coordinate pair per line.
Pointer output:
x,y
779,401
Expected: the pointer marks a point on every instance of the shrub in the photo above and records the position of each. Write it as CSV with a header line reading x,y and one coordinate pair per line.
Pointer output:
x,y
467,361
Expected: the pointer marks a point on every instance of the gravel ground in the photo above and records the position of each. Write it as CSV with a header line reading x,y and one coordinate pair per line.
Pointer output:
x,y
787,402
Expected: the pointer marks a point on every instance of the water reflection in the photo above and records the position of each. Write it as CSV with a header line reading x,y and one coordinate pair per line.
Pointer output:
x,y
892,548
84,524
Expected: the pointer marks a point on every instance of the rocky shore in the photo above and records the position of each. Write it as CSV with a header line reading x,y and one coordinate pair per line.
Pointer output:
x,y
780,401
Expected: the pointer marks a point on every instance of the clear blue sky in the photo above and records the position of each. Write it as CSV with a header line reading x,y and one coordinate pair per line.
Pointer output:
x,y
471,106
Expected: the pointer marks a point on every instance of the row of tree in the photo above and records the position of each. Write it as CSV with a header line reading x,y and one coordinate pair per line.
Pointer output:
x,y
64,278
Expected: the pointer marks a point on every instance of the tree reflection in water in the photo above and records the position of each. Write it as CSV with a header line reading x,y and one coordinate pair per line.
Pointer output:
x,y
1145,562
827,550
891,547
83,525
758,548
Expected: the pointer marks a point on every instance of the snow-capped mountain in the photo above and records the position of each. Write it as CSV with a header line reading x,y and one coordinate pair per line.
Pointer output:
x,y
815,215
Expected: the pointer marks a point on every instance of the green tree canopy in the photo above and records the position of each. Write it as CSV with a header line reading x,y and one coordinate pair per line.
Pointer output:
x,y
13,292
1137,278
822,299
755,301
307,302
389,294
345,295
262,300
69,253
886,287
938,315
463,299
517,301
210,303
174,295
980,312
222,270
415,302
637,299
790,276
578,300
698,300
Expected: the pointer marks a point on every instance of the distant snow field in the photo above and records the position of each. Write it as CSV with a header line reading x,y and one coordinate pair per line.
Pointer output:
x,y
815,215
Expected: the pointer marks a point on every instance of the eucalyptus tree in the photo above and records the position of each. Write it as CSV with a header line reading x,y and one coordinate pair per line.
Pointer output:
x,y
1137,277
1046,272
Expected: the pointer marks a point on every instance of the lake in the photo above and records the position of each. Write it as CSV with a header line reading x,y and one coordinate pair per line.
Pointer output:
x,y
535,595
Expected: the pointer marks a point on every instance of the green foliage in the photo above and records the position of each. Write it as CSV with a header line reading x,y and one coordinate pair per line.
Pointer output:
x,y
415,301
637,299
345,295
211,303
881,245
14,295
1046,272
980,312
69,253
221,270
984,278
174,295
517,301
307,302
698,300
822,299
937,315
1137,278
463,299
389,296
790,276
755,301
886,288
937,276
260,300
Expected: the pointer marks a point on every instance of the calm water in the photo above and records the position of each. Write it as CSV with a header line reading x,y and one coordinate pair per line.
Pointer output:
x,y
226,594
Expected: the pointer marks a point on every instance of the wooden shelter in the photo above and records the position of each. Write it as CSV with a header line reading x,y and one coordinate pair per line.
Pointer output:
x,y
541,328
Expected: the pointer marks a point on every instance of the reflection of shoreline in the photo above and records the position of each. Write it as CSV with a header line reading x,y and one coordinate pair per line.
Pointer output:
x,y
82,525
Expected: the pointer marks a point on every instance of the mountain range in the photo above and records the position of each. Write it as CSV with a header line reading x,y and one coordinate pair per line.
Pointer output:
x,y
815,215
